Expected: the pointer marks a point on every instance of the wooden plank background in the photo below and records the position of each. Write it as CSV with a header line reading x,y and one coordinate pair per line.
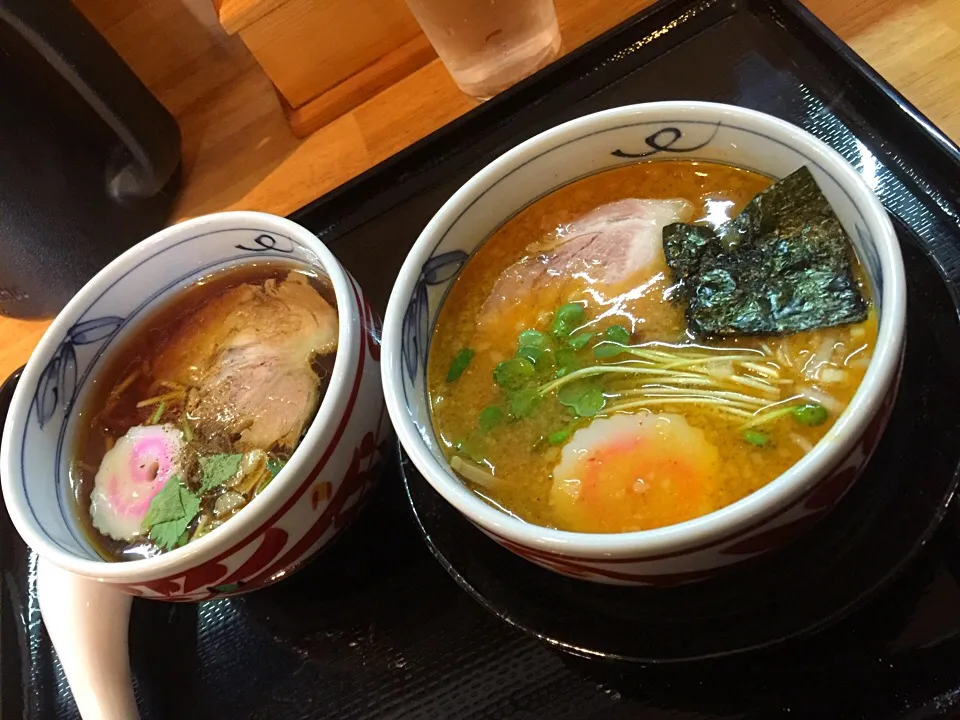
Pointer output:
x,y
239,152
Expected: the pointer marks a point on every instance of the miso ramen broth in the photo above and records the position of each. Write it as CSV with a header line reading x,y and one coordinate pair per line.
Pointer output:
x,y
193,415
566,383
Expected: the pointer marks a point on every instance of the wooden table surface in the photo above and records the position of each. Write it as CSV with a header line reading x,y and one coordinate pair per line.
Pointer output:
x,y
239,153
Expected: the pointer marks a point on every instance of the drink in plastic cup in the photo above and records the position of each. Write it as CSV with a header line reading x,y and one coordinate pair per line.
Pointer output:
x,y
488,45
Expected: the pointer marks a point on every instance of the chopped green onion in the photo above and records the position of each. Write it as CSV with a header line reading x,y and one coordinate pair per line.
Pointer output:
x,y
275,465
810,414
490,417
513,373
157,414
459,364
559,437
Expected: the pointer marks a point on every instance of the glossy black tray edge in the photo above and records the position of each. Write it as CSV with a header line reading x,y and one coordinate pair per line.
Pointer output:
x,y
349,205
366,196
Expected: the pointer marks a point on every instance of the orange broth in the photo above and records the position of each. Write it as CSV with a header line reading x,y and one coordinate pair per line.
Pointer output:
x,y
516,457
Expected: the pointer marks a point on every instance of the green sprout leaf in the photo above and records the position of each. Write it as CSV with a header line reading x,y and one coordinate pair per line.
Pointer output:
x,y
590,403
607,350
580,340
472,447
523,402
217,469
532,338
538,356
567,318
514,373
585,399
490,417
756,438
811,414
567,361
618,334
459,364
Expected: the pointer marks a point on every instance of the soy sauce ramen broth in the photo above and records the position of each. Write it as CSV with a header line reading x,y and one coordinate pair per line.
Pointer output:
x,y
184,381
510,455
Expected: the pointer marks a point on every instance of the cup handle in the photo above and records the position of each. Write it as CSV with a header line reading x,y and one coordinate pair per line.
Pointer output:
x,y
88,623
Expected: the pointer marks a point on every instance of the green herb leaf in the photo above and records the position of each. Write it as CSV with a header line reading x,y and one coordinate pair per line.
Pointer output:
x,y
490,417
567,361
607,350
513,374
217,469
811,414
757,438
567,318
580,340
459,364
532,338
585,399
170,513
559,437
617,334
524,402
166,504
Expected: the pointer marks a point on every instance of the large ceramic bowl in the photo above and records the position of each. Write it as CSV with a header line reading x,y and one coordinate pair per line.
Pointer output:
x,y
297,514
656,131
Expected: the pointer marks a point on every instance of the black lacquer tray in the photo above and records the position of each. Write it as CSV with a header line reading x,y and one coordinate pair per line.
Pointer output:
x,y
376,628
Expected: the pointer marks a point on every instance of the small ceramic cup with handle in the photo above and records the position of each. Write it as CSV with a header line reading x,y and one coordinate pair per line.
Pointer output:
x,y
757,523
85,599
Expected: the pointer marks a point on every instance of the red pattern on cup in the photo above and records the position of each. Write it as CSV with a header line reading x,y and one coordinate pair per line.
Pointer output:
x,y
355,482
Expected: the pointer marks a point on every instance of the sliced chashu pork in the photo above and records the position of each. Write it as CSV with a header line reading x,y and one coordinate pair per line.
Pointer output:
x,y
248,354
608,251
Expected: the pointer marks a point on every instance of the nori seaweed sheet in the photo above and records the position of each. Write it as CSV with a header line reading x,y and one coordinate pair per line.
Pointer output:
x,y
781,266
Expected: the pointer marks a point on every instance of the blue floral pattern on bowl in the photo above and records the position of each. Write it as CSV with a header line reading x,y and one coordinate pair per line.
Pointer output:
x,y
438,270
107,320
58,383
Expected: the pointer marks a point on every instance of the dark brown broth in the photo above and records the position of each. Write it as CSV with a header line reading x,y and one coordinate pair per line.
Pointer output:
x,y
101,424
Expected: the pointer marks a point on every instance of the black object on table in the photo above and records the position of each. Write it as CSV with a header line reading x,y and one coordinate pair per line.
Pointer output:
x,y
375,628
89,159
